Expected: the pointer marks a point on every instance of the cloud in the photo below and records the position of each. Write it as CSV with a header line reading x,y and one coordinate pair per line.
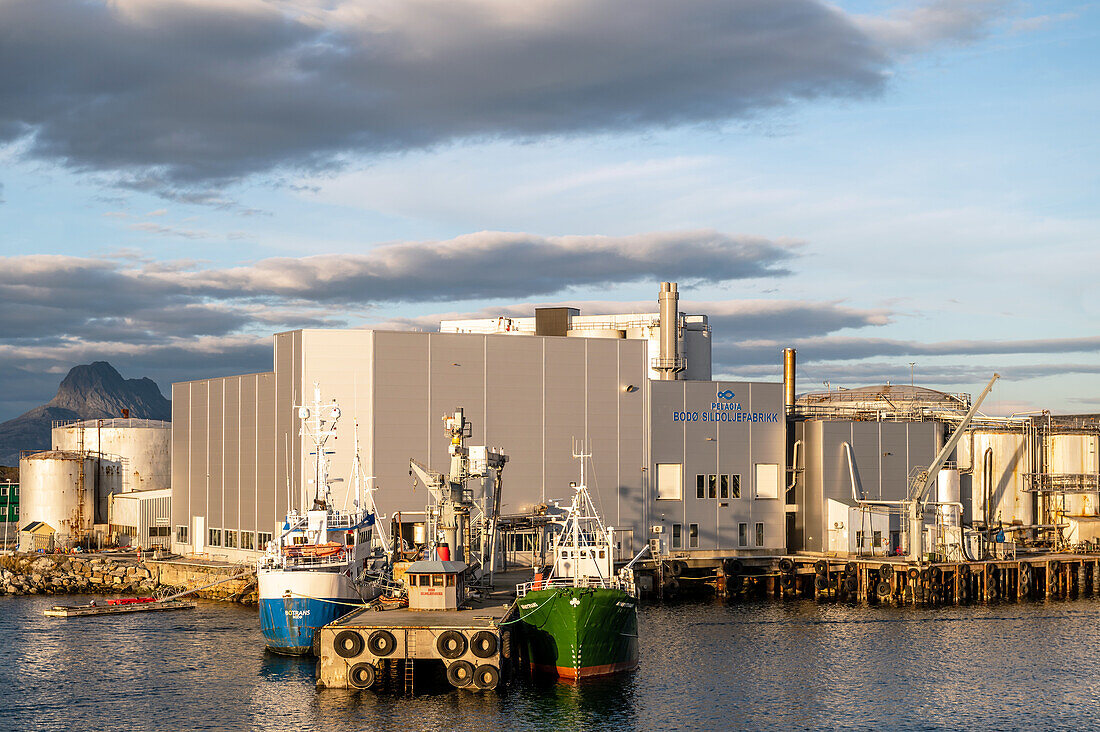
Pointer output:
x,y
849,348
180,97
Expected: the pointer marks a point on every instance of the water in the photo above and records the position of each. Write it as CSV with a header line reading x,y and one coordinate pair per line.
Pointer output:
x,y
704,666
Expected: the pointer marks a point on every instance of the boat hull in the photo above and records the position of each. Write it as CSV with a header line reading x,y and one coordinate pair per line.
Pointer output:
x,y
575,633
295,604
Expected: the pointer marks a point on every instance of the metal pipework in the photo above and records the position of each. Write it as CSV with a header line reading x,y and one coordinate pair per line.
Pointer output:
x,y
788,379
669,302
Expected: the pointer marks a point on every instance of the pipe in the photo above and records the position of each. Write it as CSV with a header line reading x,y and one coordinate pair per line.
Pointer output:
x,y
794,464
852,476
669,361
788,379
987,480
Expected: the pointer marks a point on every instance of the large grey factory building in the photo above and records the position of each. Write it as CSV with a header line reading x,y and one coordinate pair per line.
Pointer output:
x,y
702,460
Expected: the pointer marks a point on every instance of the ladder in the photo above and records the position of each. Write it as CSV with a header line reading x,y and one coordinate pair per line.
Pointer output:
x,y
410,654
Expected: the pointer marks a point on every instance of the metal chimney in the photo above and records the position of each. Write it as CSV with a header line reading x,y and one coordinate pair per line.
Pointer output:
x,y
668,362
788,379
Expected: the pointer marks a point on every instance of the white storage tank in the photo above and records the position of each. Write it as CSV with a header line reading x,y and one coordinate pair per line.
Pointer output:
x,y
948,491
56,488
137,449
994,462
1075,454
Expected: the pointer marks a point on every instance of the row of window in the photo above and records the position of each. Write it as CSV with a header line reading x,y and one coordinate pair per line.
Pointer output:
x,y
670,483
718,486
9,489
693,535
232,539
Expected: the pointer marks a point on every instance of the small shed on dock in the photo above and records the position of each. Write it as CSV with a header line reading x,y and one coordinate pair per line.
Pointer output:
x,y
37,536
435,585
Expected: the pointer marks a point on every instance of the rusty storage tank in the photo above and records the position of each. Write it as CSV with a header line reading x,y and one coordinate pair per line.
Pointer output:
x,y
138,450
56,488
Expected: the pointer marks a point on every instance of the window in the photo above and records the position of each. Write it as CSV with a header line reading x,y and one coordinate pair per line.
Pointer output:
x,y
450,580
735,486
425,580
767,480
742,534
155,531
724,488
299,540
670,482
876,539
677,538
230,539
181,534
712,486
262,538
693,535
700,486
215,537
3,490
248,540
437,580
349,538
760,534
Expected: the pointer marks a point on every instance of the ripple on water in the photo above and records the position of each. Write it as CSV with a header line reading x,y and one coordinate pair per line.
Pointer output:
x,y
704,666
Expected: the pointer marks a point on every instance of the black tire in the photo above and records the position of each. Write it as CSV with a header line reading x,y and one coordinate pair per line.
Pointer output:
x,y
506,644
381,643
937,574
882,589
315,646
925,575
851,569
886,571
786,566
362,676
451,644
348,644
851,583
964,570
1055,565
676,569
672,586
734,567
821,582
787,582
484,644
913,573
994,572
486,678
821,566
460,674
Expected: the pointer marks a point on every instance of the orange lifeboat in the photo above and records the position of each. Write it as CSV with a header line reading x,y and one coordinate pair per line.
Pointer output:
x,y
314,550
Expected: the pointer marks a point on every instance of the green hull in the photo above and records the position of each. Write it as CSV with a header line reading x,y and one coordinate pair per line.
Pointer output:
x,y
576,632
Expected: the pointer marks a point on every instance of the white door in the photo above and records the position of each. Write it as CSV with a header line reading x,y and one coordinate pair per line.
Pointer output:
x,y
199,540
836,524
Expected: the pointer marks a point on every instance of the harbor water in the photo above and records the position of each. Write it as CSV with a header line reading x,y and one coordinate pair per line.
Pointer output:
x,y
703,666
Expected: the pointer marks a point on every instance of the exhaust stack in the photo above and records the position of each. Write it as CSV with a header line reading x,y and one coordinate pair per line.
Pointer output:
x,y
788,379
669,363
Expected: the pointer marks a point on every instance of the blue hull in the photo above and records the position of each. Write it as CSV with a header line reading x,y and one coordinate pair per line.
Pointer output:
x,y
288,623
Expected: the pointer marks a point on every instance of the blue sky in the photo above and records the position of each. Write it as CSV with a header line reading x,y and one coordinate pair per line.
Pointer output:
x,y
876,183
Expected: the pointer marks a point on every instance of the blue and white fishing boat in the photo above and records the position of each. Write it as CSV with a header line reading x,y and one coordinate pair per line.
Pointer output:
x,y
319,567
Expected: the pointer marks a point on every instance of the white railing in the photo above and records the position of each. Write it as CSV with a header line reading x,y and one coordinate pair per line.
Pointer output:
x,y
555,582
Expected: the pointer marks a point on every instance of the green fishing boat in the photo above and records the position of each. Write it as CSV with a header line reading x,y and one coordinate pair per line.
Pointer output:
x,y
581,619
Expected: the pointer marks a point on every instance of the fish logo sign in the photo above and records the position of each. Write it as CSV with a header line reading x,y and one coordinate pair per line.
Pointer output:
x,y
727,394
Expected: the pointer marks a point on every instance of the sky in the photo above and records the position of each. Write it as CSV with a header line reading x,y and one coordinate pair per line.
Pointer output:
x,y
897,189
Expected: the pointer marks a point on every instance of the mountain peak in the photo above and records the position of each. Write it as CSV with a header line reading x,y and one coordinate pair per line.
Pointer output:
x,y
89,391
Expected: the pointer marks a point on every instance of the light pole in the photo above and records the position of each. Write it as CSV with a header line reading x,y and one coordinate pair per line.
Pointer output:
x,y
911,365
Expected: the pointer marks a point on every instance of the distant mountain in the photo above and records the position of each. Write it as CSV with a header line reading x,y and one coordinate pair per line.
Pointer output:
x,y
93,391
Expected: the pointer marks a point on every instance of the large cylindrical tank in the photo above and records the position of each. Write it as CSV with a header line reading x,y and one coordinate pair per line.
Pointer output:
x,y
141,446
55,488
994,462
948,491
1075,454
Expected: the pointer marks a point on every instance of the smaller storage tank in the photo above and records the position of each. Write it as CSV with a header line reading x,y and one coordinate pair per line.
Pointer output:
x,y
948,491
139,450
56,488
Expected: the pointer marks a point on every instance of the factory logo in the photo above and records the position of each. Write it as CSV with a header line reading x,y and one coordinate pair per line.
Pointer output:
x,y
727,394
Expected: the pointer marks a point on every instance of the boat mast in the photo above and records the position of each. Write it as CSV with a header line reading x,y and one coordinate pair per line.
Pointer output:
x,y
319,423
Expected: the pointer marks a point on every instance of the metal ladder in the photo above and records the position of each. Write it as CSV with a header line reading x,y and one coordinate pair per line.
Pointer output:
x,y
410,654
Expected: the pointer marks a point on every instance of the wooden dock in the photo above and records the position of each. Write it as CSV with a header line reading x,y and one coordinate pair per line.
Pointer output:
x,y
73,611
376,649
895,581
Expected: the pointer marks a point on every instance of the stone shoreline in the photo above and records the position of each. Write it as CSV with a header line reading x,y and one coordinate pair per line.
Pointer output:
x,y
75,574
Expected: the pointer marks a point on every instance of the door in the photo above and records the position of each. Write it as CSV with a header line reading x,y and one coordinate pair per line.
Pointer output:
x,y
199,542
624,545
